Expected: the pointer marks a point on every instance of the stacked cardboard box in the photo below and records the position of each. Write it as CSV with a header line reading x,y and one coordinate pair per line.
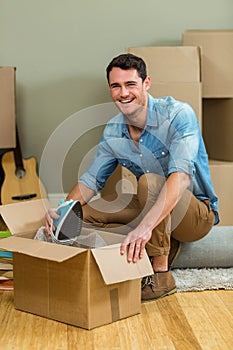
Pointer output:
x,y
7,110
217,98
218,128
216,60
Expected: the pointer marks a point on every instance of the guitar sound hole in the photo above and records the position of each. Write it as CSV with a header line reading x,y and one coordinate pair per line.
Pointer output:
x,y
20,173
24,197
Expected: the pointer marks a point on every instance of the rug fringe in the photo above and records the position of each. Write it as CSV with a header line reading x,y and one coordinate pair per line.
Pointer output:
x,y
188,280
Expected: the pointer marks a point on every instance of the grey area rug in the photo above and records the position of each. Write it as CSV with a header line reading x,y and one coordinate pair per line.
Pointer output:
x,y
199,279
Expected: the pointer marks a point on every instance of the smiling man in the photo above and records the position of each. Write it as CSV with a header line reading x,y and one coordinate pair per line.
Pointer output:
x,y
159,141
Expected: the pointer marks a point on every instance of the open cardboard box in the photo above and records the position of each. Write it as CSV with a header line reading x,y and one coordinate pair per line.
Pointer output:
x,y
82,287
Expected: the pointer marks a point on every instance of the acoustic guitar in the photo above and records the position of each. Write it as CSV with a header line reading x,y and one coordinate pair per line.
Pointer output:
x,y
20,181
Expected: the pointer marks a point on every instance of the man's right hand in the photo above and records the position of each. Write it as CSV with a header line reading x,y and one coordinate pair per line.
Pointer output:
x,y
49,216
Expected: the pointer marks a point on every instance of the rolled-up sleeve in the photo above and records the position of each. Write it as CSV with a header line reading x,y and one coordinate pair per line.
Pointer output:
x,y
184,136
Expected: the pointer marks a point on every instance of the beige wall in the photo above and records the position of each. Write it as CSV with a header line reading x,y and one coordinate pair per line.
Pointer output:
x,y
61,49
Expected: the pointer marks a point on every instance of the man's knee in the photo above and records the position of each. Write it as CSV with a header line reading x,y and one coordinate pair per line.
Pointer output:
x,y
149,187
150,179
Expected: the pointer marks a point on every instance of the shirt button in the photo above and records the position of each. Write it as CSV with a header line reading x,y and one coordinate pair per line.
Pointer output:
x,y
148,171
141,140
140,155
124,164
163,153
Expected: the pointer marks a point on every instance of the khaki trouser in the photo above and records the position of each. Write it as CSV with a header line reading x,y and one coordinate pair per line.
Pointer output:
x,y
189,221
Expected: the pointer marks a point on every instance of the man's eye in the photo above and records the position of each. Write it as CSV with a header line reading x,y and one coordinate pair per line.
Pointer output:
x,y
131,84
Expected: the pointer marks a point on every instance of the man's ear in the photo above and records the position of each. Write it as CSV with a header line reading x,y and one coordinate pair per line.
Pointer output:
x,y
147,83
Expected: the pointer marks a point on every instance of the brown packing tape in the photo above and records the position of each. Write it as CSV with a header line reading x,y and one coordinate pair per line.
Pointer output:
x,y
114,298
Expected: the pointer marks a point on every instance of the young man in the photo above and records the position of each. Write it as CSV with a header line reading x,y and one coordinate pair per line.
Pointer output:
x,y
159,141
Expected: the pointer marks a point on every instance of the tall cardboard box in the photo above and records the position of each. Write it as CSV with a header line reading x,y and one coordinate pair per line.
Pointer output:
x,y
82,287
7,107
216,60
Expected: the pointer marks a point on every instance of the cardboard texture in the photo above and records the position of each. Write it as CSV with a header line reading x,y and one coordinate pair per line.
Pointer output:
x,y
216,60
222,175
170,63
7,110
82,287
218,128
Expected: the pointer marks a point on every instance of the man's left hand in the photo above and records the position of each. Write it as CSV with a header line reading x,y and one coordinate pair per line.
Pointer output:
x,y
134,244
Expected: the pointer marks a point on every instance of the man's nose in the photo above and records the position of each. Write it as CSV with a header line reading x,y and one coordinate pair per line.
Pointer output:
x,y
124,91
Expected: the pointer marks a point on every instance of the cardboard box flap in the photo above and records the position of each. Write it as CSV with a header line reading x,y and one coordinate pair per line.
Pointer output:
x,y
115,268
25,217
39,249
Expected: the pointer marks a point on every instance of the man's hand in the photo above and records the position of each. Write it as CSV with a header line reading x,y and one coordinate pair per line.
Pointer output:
x,y
135,241
49,216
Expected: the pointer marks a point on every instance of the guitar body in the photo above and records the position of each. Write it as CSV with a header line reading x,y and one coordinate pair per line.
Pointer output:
x,y
21,185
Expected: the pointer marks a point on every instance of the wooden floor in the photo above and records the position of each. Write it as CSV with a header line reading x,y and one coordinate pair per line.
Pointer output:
x,y
182,321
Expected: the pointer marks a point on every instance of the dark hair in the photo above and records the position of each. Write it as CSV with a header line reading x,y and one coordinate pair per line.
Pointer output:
x,y
128,61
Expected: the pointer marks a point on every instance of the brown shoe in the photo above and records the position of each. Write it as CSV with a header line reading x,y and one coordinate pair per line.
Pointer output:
x,y
175,249
157,286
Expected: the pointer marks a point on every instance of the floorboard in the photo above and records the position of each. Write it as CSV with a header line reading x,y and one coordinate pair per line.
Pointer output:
x,y
182,321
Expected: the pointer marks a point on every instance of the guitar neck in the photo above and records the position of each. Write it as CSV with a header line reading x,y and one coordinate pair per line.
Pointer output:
x,y
18,154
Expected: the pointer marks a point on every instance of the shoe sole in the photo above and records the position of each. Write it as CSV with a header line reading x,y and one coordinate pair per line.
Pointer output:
x,y
71,225
170,292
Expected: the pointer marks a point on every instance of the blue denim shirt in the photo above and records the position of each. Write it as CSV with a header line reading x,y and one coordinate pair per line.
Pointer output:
x,y
170,142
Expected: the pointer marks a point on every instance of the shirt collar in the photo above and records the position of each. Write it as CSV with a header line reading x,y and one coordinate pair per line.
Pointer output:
x,y
152,116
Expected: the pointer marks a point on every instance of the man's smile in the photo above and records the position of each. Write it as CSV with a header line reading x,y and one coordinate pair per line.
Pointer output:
x,y
126,101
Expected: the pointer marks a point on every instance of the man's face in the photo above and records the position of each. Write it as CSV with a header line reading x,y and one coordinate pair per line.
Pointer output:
x,y
128,91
